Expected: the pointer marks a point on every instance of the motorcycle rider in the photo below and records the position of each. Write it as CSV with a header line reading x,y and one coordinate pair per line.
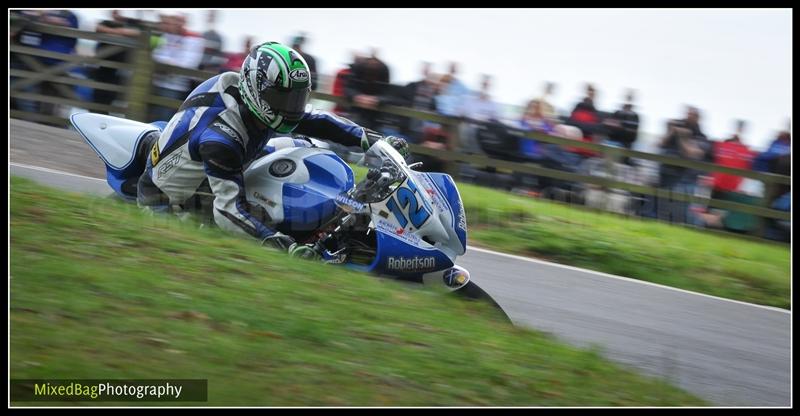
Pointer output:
x,y
225,123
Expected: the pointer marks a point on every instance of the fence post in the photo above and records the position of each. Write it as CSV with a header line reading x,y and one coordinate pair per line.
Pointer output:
x,y
760,229
453,129
141,80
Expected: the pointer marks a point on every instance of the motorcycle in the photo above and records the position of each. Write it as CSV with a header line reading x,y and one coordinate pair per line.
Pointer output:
x,y
396,222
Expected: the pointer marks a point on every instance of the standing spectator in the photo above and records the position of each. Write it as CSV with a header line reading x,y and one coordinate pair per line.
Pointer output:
x,y
56,43
454,93
368,87
118,25
534,120
235,60
340,83
213,57
780,197
549,155
623,126
421,95
684,139
782,145
480,106
547,108
21,34
732,153
586,117
297,44
179,48
777,159
47,42
61,44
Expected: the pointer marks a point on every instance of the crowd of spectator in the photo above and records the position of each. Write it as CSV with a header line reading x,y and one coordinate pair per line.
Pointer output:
x,y
46,42
366,84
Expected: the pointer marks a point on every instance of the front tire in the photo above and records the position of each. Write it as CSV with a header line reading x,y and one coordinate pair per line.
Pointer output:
x,y
474,292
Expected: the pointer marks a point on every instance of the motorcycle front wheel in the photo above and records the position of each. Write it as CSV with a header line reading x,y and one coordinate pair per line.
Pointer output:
x,y
474,292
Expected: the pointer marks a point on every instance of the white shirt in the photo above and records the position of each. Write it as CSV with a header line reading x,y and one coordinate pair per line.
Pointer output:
x,y
178,50
481,108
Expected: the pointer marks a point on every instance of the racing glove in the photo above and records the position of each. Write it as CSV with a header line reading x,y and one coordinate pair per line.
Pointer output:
x,y
288,244
304,251
400,144
370,137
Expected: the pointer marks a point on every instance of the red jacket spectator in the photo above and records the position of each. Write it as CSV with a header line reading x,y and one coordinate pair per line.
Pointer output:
x,y
236,59
733,154
338,87
587,118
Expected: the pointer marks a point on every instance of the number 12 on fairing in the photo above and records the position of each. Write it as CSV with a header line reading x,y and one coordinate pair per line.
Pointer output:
x,y
407,197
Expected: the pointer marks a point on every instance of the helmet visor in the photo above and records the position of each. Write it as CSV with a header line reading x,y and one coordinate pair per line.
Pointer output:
x,y
289,103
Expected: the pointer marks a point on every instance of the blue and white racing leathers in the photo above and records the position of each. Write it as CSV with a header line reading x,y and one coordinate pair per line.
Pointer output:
x,y
214,135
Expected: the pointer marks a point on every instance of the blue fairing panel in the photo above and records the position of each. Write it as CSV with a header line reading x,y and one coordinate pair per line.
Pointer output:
x,y
160,125
399,258
115,180
329,171
307,206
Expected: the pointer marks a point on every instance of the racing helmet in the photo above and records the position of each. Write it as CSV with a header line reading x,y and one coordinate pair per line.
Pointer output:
x,y
275,84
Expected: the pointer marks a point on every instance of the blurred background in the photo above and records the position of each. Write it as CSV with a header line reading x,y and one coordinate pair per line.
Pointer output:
x,y
686,84
672,57
649,144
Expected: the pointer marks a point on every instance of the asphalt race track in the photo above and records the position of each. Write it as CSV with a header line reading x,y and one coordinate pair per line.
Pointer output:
x,y
730,353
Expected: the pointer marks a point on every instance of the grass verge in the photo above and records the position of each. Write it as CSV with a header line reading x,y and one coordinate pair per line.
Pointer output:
x,y
101,290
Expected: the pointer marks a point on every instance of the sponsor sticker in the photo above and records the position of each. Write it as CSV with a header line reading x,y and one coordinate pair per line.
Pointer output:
x,y
462,218
300,75
170,163
398,232
455,278
229,131
154,153
264,199
345,201
411,264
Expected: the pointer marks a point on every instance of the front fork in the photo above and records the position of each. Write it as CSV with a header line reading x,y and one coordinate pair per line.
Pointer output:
x,y
332,241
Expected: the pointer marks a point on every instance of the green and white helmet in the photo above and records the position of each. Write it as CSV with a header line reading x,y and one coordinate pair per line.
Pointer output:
x,y
275,84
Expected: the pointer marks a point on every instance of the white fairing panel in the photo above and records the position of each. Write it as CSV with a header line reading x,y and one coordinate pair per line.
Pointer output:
x,y
431,228
434,229
449,243
113,139
265,188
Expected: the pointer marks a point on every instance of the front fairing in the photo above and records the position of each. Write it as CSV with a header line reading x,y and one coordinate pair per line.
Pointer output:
x,y
419,220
